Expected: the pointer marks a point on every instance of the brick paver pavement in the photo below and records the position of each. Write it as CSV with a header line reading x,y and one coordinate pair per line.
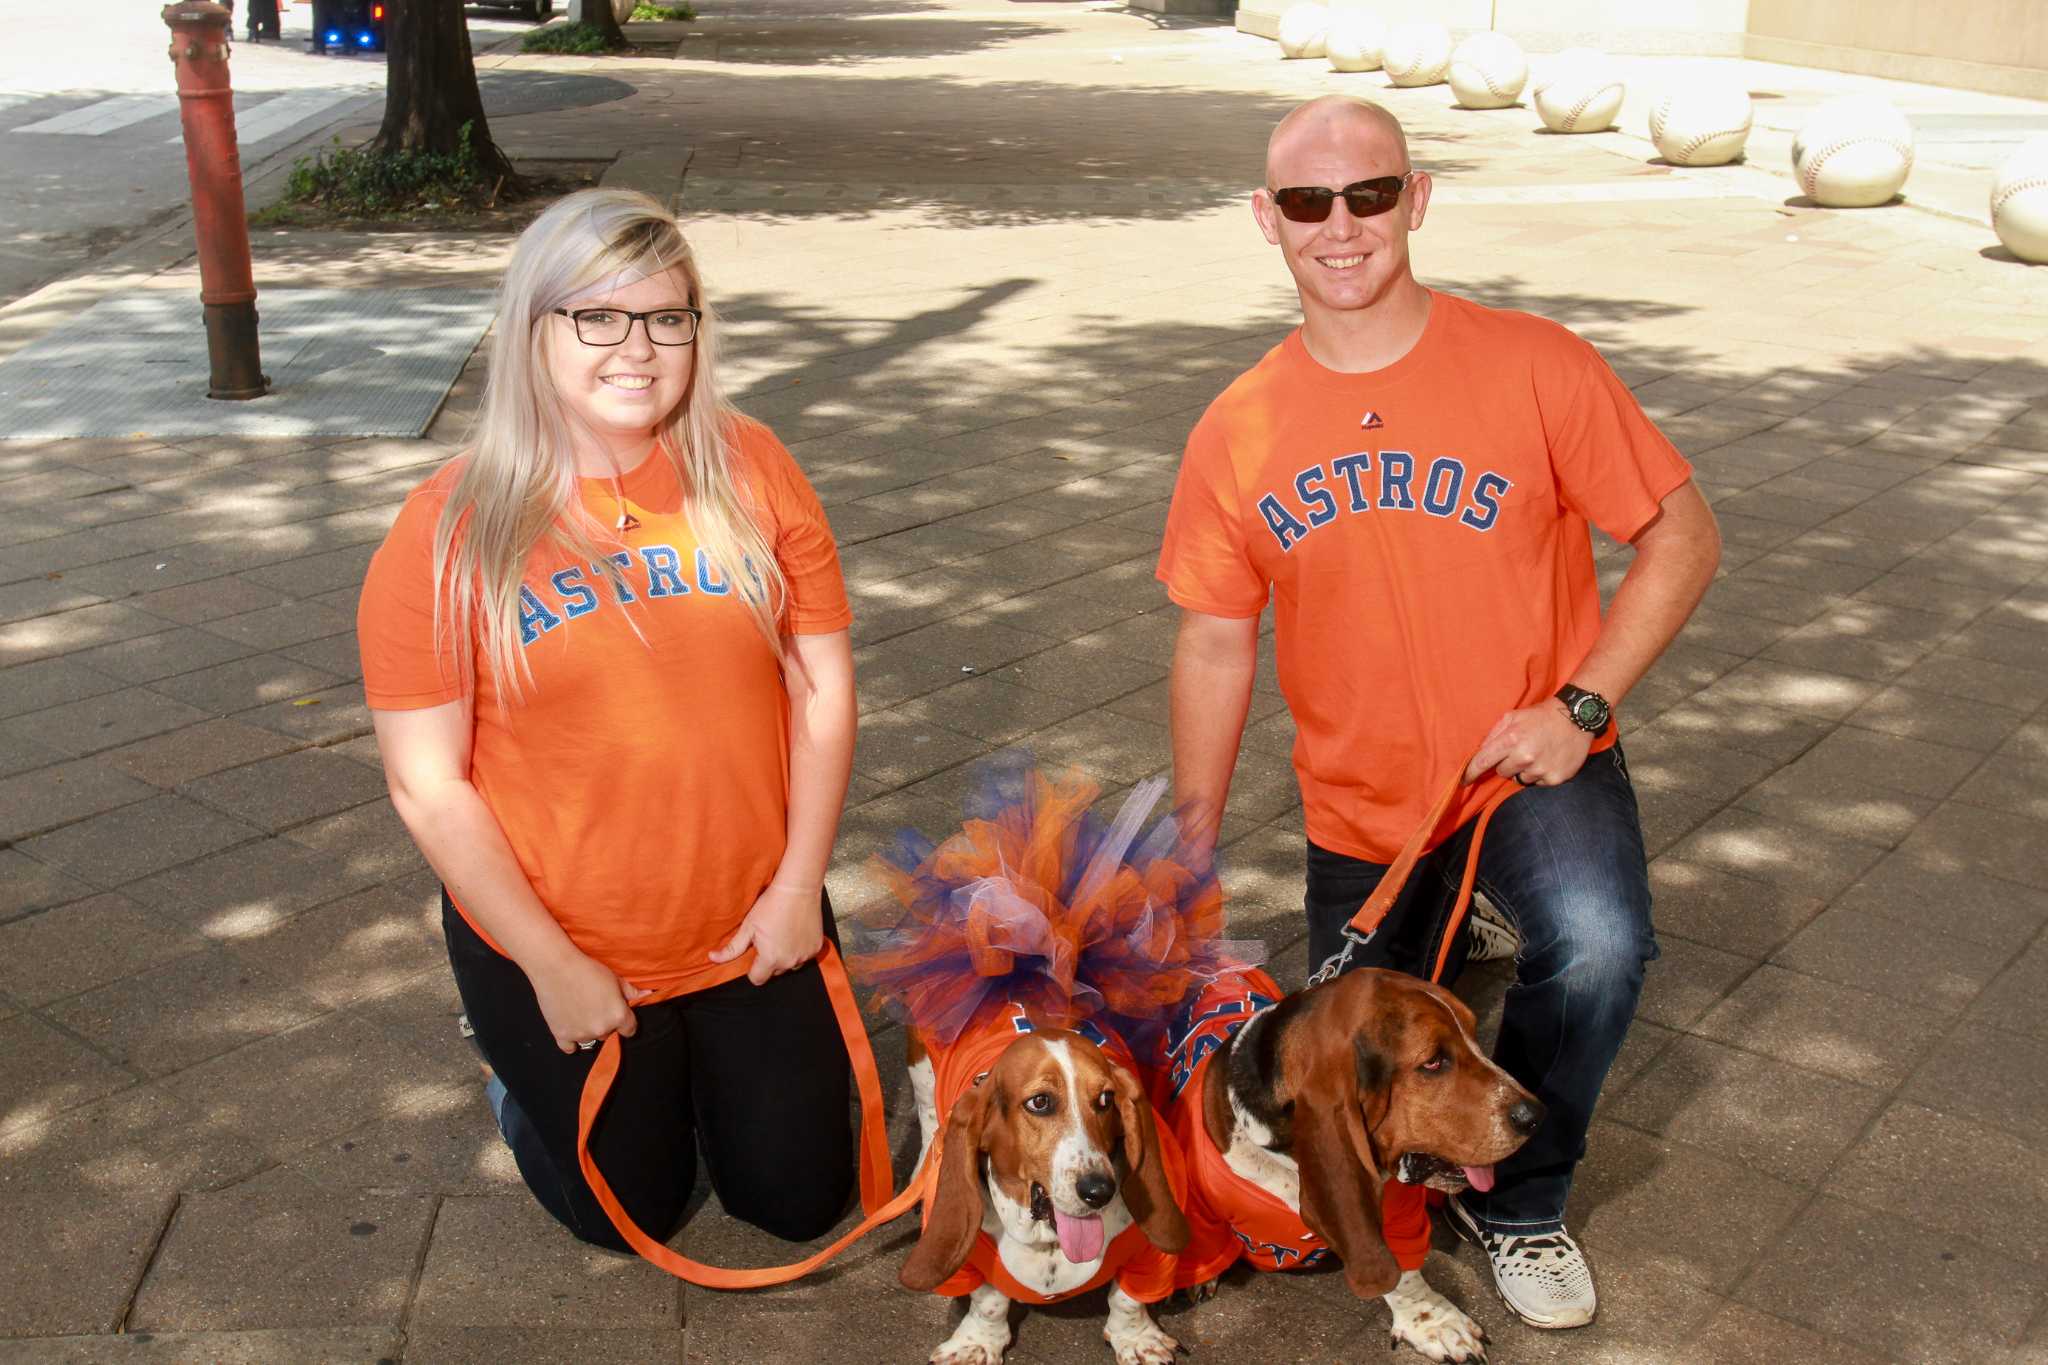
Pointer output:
x,y
984,264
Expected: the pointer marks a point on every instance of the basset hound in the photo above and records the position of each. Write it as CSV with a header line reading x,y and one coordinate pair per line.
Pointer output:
x,y
1295,1111
1053,1179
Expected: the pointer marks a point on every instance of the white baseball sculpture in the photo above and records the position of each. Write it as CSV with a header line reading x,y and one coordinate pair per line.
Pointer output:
x,y
1417,53
1580,92
1488,71
1302,30
1356,40
1705,124
2019,201
1855,151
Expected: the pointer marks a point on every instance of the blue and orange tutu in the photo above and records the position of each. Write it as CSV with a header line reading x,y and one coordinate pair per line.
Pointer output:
x,y
1040,901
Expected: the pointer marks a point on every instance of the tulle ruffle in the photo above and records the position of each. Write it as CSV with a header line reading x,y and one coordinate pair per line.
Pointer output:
x,y
1040,901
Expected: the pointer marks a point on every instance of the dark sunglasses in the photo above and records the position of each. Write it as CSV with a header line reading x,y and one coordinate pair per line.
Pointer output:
x,y
1365,199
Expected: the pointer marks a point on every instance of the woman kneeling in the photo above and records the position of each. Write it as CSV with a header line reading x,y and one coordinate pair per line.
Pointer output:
x,y
606,652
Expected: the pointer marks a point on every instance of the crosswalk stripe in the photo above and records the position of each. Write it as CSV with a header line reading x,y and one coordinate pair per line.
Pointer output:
x,y
105,116
279,115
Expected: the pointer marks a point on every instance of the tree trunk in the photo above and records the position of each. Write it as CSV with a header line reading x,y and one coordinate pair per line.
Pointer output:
x,y
430,87
599,12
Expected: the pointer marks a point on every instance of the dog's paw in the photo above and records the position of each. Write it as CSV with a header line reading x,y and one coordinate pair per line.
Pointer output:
x,y
1437,1328
1145,1345
1445,1344
967,1353
1205,1291
977,1341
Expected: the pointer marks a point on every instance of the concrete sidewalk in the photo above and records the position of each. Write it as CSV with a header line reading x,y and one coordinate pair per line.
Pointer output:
x,y
985,262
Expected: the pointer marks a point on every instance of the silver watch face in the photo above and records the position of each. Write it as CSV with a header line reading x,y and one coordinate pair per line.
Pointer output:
x,y
1590,713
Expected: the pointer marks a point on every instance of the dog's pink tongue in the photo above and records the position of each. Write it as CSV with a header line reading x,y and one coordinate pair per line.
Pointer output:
x,y
1080,1238
1481,1177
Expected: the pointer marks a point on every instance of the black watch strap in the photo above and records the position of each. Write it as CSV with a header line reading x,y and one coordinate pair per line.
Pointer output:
x,y
1588,710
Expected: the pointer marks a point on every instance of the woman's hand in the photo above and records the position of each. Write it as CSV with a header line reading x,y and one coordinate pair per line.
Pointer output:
x,y
785,930
582,1000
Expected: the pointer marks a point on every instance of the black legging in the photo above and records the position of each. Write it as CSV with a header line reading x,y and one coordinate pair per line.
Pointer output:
x,y
754,1076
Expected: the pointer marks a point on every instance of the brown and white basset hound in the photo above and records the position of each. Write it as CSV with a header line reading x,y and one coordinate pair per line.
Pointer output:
x,y
1313,1123
1053,1179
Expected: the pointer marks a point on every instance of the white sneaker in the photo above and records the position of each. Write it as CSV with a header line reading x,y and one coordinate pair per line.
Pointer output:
x,y
1542,1277
1493,938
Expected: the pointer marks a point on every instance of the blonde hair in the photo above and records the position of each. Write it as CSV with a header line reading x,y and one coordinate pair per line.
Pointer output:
x,y
517,488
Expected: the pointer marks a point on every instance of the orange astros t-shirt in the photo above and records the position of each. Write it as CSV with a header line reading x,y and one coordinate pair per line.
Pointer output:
x,y
1422,533
642,780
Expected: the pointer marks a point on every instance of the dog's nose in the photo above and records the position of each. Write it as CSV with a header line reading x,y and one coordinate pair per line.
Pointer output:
x,y
1095,1189
1524,1117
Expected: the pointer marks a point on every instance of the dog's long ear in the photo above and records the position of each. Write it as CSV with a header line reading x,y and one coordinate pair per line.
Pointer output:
x,y
953,1208
1341,1183
1147,1192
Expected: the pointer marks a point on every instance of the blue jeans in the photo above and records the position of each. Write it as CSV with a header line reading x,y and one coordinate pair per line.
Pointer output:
x,y
1565,864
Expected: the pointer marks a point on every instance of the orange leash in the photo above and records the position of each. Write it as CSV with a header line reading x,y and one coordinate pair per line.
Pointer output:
x,y
1383,896
877,1178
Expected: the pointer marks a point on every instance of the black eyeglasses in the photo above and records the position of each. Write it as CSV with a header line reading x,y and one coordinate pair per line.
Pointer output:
x,y
610,326
1365,198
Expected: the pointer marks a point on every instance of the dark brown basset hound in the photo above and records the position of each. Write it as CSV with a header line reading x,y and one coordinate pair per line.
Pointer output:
x,y
1318,1101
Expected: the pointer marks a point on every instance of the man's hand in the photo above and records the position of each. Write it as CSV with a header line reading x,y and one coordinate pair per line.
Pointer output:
x,y
784,929
1538,746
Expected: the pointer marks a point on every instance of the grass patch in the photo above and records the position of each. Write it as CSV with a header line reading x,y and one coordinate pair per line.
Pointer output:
x,y
355,182
577,39
503,208
644,13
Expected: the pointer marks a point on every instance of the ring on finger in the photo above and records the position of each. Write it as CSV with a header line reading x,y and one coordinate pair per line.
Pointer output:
x,y
1525,779
586,1044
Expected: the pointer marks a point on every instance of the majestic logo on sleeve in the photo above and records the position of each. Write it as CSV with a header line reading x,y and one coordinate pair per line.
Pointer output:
x,y
1370,422
1386,481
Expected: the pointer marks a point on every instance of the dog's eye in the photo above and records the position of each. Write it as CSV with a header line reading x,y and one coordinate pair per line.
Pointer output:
x,y
1105,1099
1437,1064
1040,1104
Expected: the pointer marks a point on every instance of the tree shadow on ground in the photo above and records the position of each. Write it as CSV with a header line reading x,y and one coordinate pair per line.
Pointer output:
x,y
1875,504
849,41
978,153
811,11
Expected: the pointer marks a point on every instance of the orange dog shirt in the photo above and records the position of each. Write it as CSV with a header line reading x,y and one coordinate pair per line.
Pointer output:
x,y
1229,1217
1142,1270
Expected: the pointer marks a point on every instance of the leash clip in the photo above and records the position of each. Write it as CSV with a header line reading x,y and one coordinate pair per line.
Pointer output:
x,y
1334,965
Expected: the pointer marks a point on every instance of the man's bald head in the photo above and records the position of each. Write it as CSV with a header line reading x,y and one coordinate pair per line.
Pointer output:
x,y
1335,116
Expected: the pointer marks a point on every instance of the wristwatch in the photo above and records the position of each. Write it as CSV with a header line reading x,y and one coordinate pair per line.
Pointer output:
x,y
1588,710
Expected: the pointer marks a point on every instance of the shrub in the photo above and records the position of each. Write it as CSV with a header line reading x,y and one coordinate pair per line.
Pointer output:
x,y
645,13
355,182
578,39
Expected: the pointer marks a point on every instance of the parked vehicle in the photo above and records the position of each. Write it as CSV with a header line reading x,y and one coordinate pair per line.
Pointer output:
x,y
536,10
348,25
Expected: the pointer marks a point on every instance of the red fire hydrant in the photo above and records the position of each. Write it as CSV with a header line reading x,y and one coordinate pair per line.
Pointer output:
x,y
227,286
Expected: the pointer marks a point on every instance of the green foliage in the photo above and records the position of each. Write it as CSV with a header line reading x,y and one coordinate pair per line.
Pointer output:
x,y
581,39
646,13
356,182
